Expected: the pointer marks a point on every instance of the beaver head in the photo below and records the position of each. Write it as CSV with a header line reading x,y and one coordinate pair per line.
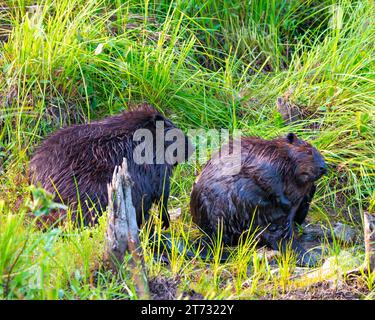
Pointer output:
x,y
309,164
165,143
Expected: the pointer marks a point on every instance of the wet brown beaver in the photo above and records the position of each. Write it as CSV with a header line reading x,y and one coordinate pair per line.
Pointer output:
x,y
272,190
76,163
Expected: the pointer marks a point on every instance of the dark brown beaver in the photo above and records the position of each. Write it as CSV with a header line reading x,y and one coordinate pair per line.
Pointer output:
x,y
271,191
76,163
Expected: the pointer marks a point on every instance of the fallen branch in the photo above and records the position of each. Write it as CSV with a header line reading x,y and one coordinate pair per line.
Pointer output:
x,y
122,230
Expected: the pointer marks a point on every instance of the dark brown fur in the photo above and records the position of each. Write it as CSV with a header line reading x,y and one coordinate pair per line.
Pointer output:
x,y
79,161
272,191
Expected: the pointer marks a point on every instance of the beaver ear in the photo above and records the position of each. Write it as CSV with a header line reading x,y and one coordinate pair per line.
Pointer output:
x,y
291,137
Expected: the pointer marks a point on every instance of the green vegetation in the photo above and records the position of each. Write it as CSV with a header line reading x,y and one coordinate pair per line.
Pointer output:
x,y
206,64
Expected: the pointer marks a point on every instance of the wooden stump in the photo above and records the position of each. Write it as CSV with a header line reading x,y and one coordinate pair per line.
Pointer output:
x,y
122,230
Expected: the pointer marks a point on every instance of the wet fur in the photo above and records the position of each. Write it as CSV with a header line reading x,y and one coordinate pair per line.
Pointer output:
x,y
80,160
285,168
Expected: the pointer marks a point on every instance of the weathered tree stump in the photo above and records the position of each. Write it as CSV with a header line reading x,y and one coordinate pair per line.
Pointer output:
x,y
122,230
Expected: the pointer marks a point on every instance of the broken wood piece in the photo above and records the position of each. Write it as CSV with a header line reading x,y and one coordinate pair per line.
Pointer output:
x,y
122,230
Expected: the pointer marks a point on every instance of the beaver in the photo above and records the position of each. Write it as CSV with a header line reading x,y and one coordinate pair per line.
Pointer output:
x,y
272,190
76,163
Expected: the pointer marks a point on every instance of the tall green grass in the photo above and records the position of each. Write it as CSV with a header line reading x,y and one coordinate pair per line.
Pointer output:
x,y
211,64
